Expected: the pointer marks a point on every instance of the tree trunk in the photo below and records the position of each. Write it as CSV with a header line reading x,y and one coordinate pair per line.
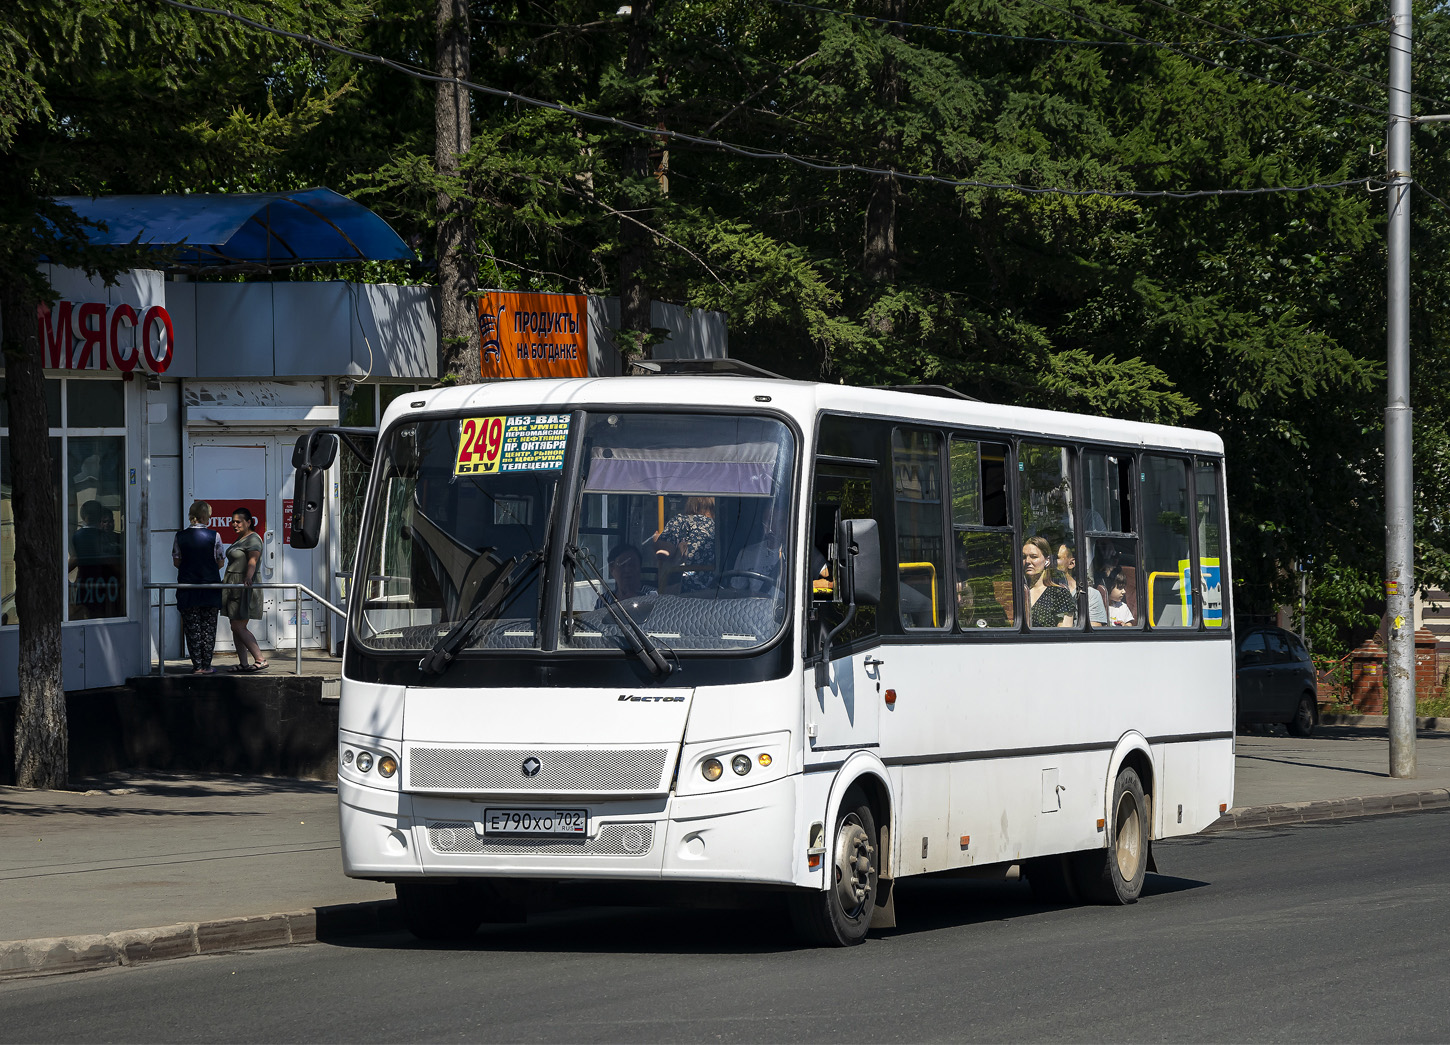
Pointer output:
x,y
42,757
879,258
458,361
634,295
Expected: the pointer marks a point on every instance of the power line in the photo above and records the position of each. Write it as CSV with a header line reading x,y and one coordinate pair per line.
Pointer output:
x,y
763,154
1265,43
1055,39
1209,61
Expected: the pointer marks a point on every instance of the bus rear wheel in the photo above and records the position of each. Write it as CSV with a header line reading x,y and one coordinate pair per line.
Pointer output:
x,y
1115,875
840,914
443,910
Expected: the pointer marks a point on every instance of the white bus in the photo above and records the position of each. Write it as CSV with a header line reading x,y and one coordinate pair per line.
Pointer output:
x,y
798,637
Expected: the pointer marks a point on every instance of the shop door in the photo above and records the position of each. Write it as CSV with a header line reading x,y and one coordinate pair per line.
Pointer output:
x,y
291,622
231,474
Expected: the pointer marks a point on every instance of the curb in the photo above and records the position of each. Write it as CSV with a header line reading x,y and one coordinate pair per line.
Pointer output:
x,y
1331,809
1424,725
46,957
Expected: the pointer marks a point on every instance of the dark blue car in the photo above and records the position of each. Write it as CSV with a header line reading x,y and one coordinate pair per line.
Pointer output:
x,y
1276,680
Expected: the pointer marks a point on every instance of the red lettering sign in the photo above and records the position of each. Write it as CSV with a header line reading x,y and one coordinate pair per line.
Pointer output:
x,y
221,516
86,335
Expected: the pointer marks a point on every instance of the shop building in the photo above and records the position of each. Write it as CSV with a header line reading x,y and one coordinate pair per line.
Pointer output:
x,y
164,389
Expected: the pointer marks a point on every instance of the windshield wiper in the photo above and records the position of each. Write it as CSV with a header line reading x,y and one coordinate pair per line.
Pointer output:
x,y
437,660
644,647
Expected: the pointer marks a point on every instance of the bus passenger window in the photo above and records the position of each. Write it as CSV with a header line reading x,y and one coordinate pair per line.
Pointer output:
x,y
1046,493
1111,541
920,548
982,554
1210,541
1165,542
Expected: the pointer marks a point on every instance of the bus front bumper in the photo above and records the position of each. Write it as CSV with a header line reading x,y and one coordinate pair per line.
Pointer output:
x,y
743,835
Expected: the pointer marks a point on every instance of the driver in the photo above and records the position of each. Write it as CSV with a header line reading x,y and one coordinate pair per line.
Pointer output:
x,y
625,573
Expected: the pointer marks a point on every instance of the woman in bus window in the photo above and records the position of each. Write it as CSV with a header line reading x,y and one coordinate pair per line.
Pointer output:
x,y
689,540
1053,606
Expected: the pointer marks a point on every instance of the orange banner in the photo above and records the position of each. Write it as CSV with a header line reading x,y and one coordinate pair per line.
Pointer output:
x,y
532,335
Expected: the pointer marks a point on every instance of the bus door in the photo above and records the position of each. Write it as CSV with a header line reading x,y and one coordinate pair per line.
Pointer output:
x,y
844,700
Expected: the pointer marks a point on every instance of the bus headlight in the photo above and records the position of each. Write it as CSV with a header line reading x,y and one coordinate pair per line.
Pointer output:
x,y
741,764
711,769
364,761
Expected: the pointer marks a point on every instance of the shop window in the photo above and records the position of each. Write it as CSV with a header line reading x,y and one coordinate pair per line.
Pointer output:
x,y
920,546
88,460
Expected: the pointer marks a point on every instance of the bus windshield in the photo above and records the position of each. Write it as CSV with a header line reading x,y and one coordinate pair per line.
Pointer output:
x,y
681,525
676,530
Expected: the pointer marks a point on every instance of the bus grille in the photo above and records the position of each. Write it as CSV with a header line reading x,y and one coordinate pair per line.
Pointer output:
x,y
611,840
485,769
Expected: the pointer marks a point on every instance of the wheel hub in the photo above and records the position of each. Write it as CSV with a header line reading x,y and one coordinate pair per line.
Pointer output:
x,y
1128,837
854,864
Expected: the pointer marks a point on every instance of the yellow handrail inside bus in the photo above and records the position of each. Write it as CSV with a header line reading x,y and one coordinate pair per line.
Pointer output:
x,y
931,568
1153,579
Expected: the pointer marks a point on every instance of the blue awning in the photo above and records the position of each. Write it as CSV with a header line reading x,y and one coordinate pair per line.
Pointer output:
x,y
272,229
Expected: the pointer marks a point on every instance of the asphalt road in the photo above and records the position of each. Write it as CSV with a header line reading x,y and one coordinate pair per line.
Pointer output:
x,y
1335,931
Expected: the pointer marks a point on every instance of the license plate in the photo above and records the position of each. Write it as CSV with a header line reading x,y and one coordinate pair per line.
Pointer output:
x,y
571,823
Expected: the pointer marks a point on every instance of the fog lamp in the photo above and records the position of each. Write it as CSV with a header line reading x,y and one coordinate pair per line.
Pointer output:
x,y
347,757
387,765
741,764
364,761
712,768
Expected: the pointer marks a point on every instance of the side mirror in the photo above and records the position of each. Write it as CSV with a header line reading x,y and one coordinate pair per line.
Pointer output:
x,y
858,546
311,457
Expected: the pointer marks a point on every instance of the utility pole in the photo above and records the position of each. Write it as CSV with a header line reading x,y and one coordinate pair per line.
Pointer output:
x,y
1399,477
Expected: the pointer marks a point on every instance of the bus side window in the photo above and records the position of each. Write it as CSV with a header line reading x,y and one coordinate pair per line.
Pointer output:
x,y
1045,474
1112,565
920,547
1165,542
982,541
1209,514
841,492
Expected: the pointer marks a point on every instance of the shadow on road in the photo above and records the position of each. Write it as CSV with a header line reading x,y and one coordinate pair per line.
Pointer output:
x,y
923,905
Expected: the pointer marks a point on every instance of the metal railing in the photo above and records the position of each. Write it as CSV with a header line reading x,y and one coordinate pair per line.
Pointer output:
x,y
298,591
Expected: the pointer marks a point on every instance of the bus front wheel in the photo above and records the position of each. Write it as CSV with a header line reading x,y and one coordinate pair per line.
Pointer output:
x,y
1115,875
840,914
442,910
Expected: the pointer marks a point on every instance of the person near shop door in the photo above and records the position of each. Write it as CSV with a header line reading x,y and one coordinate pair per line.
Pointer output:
x,y
240,605
197,553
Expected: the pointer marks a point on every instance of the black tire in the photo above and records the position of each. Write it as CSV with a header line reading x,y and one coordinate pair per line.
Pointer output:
x,y
840,914
1114,875
1306,717
442,910
1051,878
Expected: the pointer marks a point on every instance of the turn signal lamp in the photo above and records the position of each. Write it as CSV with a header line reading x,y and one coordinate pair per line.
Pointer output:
x,y
891,698
711,768
364,761
765,759
387,765
741,764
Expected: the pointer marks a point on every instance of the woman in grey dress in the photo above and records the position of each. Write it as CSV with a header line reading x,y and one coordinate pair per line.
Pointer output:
x,y
239,605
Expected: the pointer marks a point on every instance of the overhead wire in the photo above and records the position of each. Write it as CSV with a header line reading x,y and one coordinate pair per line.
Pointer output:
x,y
1265,43
751,152
1209,61
950,30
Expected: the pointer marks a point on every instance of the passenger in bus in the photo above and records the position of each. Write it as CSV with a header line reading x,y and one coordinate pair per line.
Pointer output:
x,y
1117,588
689,540
1067,568
625,572
1052,605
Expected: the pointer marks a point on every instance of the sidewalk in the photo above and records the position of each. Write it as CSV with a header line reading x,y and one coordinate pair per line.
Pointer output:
x,y
232,862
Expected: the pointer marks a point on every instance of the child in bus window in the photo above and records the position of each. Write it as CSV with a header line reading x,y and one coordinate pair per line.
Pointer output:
x,y
1117,589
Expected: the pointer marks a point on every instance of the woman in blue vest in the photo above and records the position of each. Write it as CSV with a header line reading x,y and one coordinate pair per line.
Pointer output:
x,y
198,555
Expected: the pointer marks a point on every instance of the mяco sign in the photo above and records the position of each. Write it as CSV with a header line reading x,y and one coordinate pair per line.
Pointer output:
x,y
89,335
